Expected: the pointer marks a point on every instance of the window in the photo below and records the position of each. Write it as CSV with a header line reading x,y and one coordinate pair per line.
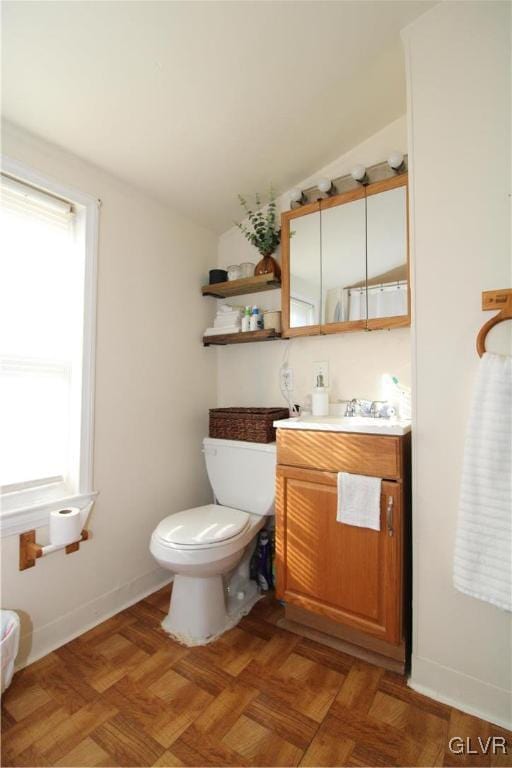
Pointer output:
x,y
47,281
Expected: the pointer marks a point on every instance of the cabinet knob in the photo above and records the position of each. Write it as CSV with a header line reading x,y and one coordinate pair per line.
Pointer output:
x,y
389,516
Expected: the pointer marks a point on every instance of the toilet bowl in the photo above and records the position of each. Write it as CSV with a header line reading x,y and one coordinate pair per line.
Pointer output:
x,y
209,548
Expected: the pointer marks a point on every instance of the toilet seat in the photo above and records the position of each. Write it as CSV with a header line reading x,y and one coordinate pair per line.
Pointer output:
x,y
206,527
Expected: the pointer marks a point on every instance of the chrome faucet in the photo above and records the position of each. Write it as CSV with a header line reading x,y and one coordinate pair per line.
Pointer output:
x,y
374,409
378,409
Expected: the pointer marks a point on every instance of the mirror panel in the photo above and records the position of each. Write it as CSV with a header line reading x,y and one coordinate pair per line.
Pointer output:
x,y
343,263
387,253
305,271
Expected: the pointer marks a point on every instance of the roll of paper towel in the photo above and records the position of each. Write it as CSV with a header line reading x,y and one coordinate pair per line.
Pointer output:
x,y
65,526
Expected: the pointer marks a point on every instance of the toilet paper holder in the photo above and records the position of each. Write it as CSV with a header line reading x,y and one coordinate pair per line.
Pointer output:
x,y
30,551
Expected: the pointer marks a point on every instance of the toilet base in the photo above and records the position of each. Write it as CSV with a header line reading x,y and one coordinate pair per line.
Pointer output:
x,y
202,609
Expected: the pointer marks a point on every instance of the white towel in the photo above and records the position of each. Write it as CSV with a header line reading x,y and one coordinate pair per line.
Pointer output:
x,y
231,318
359,500
221,331
483,549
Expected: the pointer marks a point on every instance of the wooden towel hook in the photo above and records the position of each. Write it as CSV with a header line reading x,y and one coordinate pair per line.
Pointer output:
x,y
501,300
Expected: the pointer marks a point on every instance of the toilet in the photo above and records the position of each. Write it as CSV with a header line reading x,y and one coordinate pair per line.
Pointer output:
x,y
209,548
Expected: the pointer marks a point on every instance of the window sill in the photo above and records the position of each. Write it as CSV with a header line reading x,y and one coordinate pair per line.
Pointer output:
x,y
26,518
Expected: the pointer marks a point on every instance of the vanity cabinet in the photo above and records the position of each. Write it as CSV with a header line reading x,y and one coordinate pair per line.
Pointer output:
x,y
352,579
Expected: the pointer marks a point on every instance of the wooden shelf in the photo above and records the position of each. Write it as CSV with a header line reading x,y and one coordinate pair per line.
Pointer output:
x,y
241,338
240,287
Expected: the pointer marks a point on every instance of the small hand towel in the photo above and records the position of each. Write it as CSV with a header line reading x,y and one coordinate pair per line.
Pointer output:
x,y
359,500
483,548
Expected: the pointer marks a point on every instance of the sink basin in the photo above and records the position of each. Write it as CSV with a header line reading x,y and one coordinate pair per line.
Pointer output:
x,y
361,424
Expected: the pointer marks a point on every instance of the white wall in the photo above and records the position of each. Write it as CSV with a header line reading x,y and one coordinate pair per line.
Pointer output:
x,y
154,385
458,59
248,374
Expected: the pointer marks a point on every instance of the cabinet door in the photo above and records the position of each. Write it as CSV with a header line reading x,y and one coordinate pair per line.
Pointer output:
x,y
343,249
387,253
301,271
351,575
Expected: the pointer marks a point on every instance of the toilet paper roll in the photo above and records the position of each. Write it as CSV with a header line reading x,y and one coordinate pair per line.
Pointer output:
x,y
65,526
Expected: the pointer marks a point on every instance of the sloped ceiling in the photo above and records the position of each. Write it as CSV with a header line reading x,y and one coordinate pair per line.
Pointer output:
x,y
193,102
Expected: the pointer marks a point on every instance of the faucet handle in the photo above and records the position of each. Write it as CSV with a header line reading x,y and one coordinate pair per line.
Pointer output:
x,y
378,408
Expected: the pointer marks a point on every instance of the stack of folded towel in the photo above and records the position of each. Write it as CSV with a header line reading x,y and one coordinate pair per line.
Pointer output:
x,y
227,320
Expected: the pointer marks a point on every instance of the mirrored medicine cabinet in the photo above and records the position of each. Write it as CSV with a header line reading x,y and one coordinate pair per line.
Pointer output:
x,y
345,262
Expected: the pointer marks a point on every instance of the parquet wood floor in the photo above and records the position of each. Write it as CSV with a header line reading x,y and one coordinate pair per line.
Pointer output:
x,y
125,694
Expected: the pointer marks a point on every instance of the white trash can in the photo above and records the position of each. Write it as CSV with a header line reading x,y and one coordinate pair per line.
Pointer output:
x,y
9,643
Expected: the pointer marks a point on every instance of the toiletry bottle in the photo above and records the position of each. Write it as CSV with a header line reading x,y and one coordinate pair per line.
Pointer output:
x,y
320,398
246,319
402,400
255,316
264,562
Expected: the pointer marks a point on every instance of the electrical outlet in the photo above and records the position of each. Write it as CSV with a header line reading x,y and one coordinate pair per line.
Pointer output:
x,y
287,379
321,369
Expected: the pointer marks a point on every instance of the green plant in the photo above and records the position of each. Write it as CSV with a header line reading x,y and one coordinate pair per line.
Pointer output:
x,y
262,230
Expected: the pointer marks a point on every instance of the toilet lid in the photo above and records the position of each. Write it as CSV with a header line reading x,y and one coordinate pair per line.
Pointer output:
x,y
202,525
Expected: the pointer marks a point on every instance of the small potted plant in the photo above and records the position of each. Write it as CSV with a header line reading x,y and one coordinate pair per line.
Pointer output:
x,y
262,231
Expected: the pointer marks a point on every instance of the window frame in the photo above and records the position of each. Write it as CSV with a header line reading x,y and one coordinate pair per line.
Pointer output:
x,y
29,508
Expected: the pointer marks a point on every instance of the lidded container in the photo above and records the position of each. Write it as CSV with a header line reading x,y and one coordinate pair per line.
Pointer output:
x,y
255,425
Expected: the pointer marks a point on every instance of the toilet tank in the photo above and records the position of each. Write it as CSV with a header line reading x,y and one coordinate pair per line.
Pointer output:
x,y
242,474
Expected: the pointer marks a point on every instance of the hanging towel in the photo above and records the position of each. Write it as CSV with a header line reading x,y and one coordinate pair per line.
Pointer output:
x,y
359,500
483,549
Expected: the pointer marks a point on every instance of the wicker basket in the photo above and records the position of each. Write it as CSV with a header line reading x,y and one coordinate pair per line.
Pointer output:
x,y
253,425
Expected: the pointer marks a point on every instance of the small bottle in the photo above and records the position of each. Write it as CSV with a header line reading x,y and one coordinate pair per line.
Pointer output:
x,y
264,566
255,317
246,319
320,398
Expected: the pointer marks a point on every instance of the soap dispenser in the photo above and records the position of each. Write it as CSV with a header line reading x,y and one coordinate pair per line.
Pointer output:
x,y
320,399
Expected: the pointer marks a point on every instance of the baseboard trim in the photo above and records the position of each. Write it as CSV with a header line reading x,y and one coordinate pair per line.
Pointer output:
x,y
473,696
48,638
331,641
